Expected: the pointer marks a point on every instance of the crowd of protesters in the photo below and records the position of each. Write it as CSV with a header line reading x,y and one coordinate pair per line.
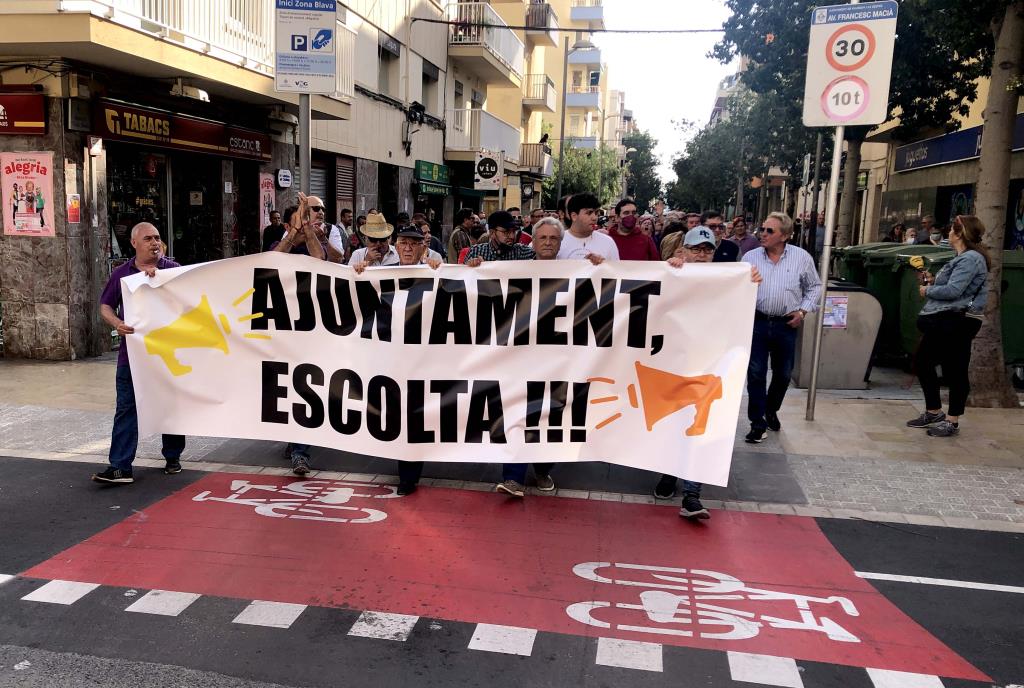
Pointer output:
x,y
788,289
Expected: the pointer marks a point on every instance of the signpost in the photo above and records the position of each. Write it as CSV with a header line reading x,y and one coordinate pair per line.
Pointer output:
x,y
849,65
305,62
489,174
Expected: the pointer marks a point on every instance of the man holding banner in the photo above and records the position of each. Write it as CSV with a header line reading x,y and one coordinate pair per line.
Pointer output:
x,y
124,440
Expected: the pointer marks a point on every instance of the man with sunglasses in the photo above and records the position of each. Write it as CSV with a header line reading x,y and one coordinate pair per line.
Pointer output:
x,y
725,251
788,292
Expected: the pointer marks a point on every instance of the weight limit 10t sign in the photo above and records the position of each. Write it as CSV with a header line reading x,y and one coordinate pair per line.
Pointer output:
x,y
849,64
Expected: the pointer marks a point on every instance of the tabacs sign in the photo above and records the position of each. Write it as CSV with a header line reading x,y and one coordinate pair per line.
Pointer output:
x,y
427,171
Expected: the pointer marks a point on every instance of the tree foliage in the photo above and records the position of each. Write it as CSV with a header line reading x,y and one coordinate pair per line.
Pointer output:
x,y
642,181
586,171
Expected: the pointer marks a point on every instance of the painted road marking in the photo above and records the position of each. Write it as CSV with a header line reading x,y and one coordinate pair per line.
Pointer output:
x,y
764,669
505,639
273,614
941,581
61,592
629,654
163,602
4,578
900,679
383,626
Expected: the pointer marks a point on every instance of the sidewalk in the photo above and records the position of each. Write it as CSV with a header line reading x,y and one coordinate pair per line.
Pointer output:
x,y
856,457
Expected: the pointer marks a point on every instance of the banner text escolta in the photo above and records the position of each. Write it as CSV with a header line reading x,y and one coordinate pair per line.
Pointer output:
x,y
638,364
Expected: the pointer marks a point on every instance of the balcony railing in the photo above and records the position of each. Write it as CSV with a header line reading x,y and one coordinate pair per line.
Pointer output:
x,y
541,89
472,130
542,17
477,23
241,32
588,3
537,157
585,57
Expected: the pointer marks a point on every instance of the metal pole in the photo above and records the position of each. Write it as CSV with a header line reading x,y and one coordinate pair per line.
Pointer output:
x,y
826,256
501,180
561,131
305,148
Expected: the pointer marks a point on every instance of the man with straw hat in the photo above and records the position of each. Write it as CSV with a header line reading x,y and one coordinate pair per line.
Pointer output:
x,y
376,235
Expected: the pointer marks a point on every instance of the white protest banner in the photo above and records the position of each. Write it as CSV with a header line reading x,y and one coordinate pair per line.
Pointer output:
x,y
632,363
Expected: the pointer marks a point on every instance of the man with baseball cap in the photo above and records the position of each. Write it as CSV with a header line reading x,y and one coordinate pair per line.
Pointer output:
x,y
698,246
376,235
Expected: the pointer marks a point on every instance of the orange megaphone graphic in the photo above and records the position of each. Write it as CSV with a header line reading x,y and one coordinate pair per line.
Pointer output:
x,y
663,393
196,329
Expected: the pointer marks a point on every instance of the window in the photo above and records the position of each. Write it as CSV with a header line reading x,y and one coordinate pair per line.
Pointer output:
x,y
577,81
574,125
431,75
387,69
595,80
460,96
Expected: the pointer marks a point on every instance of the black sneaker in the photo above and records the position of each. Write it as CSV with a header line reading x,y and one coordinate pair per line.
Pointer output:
x,y
926,420
114,476
545,483
300,464
773,421
692,508
666,487
756,435
172,467
944,429
406,489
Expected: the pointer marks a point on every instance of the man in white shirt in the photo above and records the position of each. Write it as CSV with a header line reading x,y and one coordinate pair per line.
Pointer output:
x,y
376,234
581,241
338,237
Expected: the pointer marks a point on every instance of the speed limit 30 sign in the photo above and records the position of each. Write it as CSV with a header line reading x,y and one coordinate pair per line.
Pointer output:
x,y
849,64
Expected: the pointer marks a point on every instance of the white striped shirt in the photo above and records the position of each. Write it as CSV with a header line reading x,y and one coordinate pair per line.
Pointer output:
x,y
789,285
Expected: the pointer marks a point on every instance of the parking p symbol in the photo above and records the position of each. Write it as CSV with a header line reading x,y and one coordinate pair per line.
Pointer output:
x,y
299,42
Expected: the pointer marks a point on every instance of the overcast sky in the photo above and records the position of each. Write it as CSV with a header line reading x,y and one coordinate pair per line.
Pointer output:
x,y
666,76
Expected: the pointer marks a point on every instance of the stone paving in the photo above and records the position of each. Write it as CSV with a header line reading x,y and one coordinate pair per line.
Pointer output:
x,y
856,457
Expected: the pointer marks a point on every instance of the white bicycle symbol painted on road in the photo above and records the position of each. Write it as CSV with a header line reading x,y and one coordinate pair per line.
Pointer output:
x,y
308,500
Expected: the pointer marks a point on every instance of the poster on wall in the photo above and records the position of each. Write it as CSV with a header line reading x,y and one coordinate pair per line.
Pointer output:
x,y
267,198
26,180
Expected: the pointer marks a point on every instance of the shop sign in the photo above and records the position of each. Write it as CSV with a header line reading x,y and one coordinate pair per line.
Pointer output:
x,y
955,147
434,189
22,114
117,122
427,171
26,182
284,178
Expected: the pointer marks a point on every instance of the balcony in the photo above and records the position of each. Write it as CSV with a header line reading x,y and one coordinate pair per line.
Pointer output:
x,y
588,97
588,12
481,42
536,158
539,93
584,142
585,57
225,47
542,25
473,130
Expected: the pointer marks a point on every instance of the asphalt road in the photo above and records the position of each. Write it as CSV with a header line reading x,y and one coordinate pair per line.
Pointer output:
x,y
49,507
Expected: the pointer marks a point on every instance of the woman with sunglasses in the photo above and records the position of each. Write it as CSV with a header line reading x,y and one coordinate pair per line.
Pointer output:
x,y
950,319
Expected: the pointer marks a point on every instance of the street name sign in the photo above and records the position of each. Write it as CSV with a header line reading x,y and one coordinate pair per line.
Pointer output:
x,y
305,57
849,64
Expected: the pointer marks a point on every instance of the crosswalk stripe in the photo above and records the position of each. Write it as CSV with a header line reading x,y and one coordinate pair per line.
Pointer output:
x,y
764,669
883,678
629,654
61,592
508,640
4,578
163,602
383,625
272,614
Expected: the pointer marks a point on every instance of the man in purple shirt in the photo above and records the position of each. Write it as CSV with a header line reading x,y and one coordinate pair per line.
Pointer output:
x,y
746,242
124,439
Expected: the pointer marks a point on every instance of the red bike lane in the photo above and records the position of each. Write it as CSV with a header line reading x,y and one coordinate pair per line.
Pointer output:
x,y
746,582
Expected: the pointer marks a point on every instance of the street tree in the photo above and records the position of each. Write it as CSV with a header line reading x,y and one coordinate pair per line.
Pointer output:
x,y
643,184
586,171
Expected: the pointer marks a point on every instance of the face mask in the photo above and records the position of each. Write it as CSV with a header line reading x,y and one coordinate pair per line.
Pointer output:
x,y
910,240
937,236
629,222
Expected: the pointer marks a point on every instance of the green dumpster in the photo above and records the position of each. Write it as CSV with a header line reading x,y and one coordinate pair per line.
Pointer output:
x,y
851,261
1013,306
909,294
883,281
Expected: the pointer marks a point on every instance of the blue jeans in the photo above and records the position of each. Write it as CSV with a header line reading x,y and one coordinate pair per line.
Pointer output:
x,y
774,340
124,439
514,471
301,449
688,485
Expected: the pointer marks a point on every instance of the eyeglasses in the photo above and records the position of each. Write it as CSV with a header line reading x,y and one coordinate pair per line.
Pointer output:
x,y
374,240
502,230
703,248
714,225
316,208
767,230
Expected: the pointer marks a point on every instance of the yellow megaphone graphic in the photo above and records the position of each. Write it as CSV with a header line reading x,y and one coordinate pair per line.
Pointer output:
x,y
196,329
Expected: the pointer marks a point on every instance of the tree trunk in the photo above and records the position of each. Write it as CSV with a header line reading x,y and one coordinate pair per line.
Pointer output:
x,y
989,380
848,201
